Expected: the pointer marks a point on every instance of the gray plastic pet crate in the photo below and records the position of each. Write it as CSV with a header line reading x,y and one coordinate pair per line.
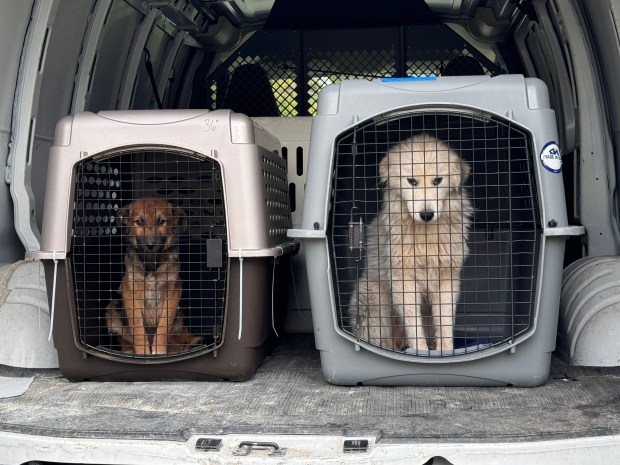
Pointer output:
x,y
223,206
511,247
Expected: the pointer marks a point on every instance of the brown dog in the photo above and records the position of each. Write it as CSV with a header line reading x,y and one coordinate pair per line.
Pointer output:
x,y
151,287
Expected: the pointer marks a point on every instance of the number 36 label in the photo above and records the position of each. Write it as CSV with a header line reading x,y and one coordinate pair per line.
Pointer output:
x,y
551,157
209,125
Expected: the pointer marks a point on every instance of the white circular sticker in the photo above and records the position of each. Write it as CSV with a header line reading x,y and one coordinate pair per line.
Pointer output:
x,y
551,157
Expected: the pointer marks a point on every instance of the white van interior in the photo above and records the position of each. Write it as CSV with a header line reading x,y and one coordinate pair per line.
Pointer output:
x,y
269,60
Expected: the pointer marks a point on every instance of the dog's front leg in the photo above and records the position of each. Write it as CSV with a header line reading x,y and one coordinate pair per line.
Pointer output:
x,y
165,324
443,308
375,307
407,300
133,300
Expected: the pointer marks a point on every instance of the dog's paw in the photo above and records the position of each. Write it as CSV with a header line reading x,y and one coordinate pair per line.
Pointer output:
x,y
446,345
141,350
159,350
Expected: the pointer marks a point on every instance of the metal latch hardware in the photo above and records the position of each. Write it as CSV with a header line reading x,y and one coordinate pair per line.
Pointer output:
x,y
355,445
356,235
248,446
208,444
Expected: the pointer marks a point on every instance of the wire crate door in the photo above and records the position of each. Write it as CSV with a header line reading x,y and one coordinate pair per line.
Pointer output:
x,y
177,198
434,233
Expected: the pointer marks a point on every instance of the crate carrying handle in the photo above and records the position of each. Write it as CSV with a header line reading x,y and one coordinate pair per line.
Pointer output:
x,y
53,307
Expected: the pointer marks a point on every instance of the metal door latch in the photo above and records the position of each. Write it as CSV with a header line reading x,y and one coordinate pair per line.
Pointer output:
x,y
246,447
356,235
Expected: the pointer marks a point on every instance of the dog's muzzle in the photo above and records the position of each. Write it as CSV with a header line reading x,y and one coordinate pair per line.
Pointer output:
x,y
151,245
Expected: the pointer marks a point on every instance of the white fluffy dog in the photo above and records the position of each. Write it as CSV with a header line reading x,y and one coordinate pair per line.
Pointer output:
x,y
415,249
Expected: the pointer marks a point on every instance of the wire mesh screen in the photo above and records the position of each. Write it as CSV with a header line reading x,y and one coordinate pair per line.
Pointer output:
x,y
280,73
334,66
148,254
261,86
434,232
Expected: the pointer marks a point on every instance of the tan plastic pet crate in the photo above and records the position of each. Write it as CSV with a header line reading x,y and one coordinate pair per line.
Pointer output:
x,y
164,244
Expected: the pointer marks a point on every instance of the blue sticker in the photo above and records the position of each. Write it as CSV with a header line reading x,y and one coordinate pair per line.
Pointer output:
x,y
411,78
551,157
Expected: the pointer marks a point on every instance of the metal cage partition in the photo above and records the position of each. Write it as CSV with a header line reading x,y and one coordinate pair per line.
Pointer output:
x,y
281,72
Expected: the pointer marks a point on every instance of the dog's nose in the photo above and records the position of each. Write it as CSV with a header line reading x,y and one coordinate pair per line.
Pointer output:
x,y
151,246
427,215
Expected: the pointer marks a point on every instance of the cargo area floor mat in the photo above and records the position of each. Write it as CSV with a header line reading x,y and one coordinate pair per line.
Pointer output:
x,y
288,395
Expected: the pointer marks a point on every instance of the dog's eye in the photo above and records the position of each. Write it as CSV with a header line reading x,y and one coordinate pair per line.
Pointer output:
x,y
139,222
437,181
161,221
412,181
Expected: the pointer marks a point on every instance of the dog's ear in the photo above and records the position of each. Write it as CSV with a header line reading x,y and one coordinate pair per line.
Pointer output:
x,y
465,171
180,219
122,216
384,170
